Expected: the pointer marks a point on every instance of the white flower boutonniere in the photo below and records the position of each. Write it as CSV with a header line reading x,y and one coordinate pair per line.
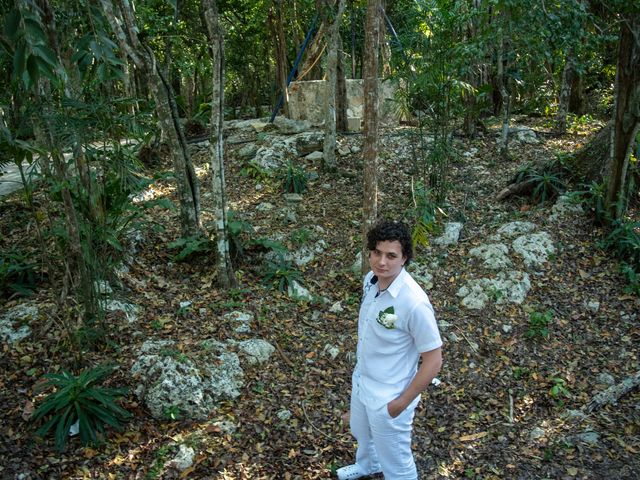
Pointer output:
x,y
387,318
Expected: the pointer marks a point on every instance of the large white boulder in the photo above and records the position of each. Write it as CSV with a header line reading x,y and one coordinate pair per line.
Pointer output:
x,y
493,255
534,248
13,323
451,234
192,383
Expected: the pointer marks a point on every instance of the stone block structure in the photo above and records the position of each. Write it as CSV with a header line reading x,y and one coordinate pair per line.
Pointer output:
x,y
306,102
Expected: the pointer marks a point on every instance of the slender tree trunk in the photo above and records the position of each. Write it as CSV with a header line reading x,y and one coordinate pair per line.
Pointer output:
x,y
310,69
504,90
226,276
341,91
333,39
126,32
565,94
353,40
370,151
275,19
626,114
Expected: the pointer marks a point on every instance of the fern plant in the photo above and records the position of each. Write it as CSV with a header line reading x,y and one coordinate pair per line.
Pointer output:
x,y
79,399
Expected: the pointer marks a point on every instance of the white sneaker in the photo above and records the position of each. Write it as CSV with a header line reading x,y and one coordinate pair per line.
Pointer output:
x,y
352,472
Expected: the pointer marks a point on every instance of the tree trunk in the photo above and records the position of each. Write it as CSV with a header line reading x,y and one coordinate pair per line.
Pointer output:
x,y
506,99
353,40
370,150
341,90
333,39
126,32
626,114
565,94
275,19
589,162
226,276
310,69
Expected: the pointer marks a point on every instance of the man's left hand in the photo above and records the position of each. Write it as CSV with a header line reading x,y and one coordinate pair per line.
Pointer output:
x,y
395,408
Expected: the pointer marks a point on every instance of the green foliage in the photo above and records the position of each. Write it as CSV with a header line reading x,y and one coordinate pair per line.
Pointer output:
x,y
253,170
240,233
173,412
547,182
280,274
423,214
520,372
17,273
594,197
189,246
624,240
539,324
559,390
300,236
80,399
632,276
294,179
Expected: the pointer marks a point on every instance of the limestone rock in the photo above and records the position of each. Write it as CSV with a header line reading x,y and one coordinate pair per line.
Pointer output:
x,y
288,126
564,207
315,157
526,135
421,275
356,266
336,308
241,319
194,383
183,459
534,248
130,311
451,234
331,350
473,295
512,286
297,291
264,207
514,229
256,350
13,323
494,255
248,151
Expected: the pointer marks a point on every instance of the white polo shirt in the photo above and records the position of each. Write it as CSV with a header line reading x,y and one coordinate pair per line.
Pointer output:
x,y
387,359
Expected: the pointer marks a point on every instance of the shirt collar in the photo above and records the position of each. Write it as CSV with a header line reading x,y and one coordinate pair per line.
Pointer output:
x,y
396,285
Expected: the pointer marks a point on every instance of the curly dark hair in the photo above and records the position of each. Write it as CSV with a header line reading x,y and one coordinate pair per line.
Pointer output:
x,y
390,230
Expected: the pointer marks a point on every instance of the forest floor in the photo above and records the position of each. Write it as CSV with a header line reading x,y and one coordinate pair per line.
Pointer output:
x,y
492,417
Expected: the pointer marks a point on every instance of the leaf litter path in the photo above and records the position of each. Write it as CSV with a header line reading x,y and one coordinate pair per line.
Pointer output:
x,y
492,417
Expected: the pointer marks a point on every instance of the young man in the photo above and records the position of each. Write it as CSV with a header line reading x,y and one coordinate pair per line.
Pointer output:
x,y
396,327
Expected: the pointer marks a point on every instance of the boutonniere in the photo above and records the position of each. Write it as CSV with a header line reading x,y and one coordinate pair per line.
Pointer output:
x,y
387,318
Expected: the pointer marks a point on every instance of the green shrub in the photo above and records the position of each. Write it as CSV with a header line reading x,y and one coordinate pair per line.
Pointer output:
x,y
300,236
281,274
559,390
423,214
294,179
78,399
624,240
539,324
189,246
253,170
546,183
17,273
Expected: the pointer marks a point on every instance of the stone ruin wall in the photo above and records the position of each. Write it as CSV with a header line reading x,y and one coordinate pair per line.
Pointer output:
x,y
306,102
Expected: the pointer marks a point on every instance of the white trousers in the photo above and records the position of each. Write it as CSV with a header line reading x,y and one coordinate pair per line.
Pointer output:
x,y
384,443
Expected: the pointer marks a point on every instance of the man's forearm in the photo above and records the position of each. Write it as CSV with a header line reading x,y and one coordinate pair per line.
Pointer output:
x,y
431,363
